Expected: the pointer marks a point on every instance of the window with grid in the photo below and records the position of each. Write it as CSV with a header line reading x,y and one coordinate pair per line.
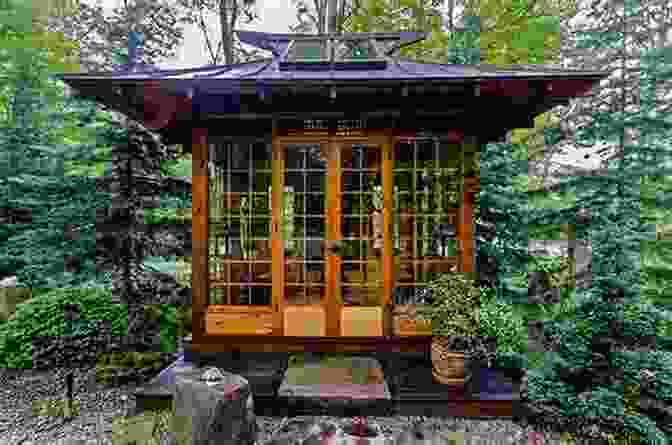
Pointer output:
x,y
240,223
308,50
354,50
427,176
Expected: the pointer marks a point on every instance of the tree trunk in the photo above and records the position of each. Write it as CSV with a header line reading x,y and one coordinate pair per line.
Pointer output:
x,y
332,12
226,24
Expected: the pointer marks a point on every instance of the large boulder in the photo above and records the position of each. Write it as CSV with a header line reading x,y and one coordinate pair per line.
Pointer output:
x,y
11,296
212,406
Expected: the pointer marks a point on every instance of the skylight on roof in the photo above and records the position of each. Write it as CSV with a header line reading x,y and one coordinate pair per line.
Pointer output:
x,y
347,50
333,52
312,50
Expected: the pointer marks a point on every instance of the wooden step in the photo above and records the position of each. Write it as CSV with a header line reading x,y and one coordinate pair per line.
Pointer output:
x,y
407,388
415,392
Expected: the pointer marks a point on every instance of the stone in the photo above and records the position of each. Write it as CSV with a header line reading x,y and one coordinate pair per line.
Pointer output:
x,y
340,384
422,436
355,377
216,411
11,296
8,282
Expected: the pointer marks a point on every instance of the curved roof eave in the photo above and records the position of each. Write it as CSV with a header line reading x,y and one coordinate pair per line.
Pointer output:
x,y
398,70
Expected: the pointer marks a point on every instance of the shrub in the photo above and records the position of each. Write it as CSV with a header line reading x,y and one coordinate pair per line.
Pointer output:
x,y
499,320
40,321
603,353
454,309
43,316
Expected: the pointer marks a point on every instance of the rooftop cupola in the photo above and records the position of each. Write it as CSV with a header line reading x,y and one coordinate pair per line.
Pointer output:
x,y
360,51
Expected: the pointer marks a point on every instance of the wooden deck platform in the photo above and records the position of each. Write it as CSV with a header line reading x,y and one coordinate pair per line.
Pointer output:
x,y
412,390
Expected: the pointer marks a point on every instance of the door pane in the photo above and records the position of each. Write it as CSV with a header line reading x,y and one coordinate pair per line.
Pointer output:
x,y
239,223
426,176
361,271
304,223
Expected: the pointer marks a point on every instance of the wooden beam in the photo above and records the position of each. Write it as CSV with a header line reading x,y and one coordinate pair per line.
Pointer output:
x,y
199,232
333,304
264,343
466,232
277,247
388,259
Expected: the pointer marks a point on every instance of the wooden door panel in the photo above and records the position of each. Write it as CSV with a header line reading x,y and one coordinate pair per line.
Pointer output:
x,y
362,321
303,231
241,323
362,260
305,321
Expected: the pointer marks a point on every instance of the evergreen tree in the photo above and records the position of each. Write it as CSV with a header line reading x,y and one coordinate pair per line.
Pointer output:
x,y
40,202
578,387
592,378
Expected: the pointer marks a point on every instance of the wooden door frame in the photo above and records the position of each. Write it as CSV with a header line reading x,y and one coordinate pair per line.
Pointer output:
x,y
335,144
200,274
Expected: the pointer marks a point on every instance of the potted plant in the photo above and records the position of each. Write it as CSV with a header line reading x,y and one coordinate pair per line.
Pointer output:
x,y
454,315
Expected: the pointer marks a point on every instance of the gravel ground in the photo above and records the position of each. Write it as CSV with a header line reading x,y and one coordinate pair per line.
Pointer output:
x,y
19,426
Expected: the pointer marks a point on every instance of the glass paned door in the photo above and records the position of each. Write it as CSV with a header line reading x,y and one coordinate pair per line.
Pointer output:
x,y
361,224
360,228
331,230
303,225
239,224
427,175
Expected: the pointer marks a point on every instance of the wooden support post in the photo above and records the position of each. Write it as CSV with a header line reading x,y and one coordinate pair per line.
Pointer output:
x,y
466,232
277,246
200,278
333,304
388,258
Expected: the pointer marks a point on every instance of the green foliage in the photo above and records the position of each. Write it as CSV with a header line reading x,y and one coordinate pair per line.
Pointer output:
x,y
500,320
184,320
178,167
36,178
622,203
167,316
455,308
43,315
167,265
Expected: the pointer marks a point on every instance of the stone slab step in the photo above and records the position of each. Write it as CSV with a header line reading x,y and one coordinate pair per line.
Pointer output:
x,y
336,385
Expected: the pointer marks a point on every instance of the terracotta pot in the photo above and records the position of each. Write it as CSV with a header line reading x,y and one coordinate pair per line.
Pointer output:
x,y
448,366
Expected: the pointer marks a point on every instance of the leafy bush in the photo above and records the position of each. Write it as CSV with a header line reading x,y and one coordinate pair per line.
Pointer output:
x,y
454,309
184,320
43,316
166,315
499,320
600,356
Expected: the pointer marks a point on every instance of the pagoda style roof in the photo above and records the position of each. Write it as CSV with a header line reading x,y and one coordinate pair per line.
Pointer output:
x,y
312,73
